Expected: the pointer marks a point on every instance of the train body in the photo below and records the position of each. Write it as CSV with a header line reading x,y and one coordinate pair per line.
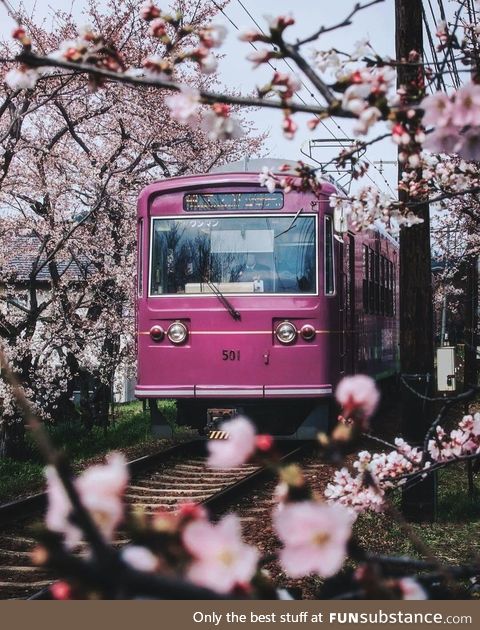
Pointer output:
x,y
248,301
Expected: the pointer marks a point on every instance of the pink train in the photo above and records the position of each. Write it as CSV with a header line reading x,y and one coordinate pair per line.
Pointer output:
x,y
249,302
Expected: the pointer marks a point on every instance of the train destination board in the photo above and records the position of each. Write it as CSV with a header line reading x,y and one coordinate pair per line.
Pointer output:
x,y
198,202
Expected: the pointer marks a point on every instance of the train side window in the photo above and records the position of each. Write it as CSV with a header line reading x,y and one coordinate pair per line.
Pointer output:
x,y
139,259
365,278
329,270
390,288
394,287
387,287
382,285
377,283
371,285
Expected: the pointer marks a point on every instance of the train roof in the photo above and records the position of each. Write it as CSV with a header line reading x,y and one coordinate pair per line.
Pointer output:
x,y
242,171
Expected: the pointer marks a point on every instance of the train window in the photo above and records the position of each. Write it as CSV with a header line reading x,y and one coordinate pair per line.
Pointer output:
x,y
139,258
195,202
371,284
365,278
382,285
237,254
329,269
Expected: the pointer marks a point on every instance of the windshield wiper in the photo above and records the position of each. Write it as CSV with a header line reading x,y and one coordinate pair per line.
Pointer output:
x,y
233,312
291,226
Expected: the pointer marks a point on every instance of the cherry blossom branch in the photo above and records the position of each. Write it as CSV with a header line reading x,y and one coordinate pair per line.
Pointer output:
x,y
206,97
347,21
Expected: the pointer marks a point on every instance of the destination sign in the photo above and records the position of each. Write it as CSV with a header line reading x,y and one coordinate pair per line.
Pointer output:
x,y
204,202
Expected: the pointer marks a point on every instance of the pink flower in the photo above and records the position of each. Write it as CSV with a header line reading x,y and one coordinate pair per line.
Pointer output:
x,y
100,489
61,590
219,125
148,11
267,178
411,589
158,27
184,105
20,34
237,449
468,146
221,558
367,118
438,109
260,56
466,109
208,64
140,558
289,82
442,140
213,36
289,127
279,23
22,78
315,537
252,36
357,394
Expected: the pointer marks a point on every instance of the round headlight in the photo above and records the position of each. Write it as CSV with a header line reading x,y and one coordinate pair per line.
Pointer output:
x,y
308,332
177,333
157,333
286,332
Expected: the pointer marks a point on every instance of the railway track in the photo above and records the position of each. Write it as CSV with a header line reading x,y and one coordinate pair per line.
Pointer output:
x,y
159,481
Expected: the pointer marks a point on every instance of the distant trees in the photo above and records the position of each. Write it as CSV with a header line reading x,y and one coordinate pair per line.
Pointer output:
x,y
72,164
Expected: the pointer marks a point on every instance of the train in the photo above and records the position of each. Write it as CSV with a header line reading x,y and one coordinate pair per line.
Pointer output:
x,y
249,301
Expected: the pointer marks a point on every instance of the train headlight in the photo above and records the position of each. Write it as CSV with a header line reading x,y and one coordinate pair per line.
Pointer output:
x,y
177,333
308,332
157,333
286,332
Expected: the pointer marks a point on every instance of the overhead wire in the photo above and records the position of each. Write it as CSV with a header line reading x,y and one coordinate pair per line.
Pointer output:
x,y
452,65
312,94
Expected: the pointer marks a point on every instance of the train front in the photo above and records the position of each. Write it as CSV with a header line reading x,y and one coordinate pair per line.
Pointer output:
x,y
237,307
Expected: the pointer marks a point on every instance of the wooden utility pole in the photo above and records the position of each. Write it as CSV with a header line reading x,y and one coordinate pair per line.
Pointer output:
x,y
416,306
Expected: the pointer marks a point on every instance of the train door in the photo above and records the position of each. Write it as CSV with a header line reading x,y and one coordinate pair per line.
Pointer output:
x,y
347,304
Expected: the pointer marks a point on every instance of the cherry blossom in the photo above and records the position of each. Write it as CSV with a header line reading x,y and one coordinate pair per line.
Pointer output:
x,y
466,110
437,109
184,105
267,178
288,84
260,56
213,36
289,127
158,27
237,449
140,558
148,11
221,559
411,589
218,124
280,22
357,395
315,537
21,78
465,440
100,489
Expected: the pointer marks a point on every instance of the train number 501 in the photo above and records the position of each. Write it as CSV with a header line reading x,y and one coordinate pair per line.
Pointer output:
x,y
231,355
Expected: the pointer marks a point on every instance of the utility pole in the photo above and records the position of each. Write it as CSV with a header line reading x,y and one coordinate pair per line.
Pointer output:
x,y
416,307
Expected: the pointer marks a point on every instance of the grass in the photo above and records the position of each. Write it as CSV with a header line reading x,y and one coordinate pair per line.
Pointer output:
x,y
454,537
130,431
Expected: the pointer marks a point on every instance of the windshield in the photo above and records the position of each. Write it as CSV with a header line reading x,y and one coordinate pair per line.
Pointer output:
x,y
248,254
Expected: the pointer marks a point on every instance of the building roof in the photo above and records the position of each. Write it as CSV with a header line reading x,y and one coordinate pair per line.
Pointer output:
x,y
25,251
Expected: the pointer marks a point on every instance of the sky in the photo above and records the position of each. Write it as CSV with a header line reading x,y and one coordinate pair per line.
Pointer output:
x,y
376,24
